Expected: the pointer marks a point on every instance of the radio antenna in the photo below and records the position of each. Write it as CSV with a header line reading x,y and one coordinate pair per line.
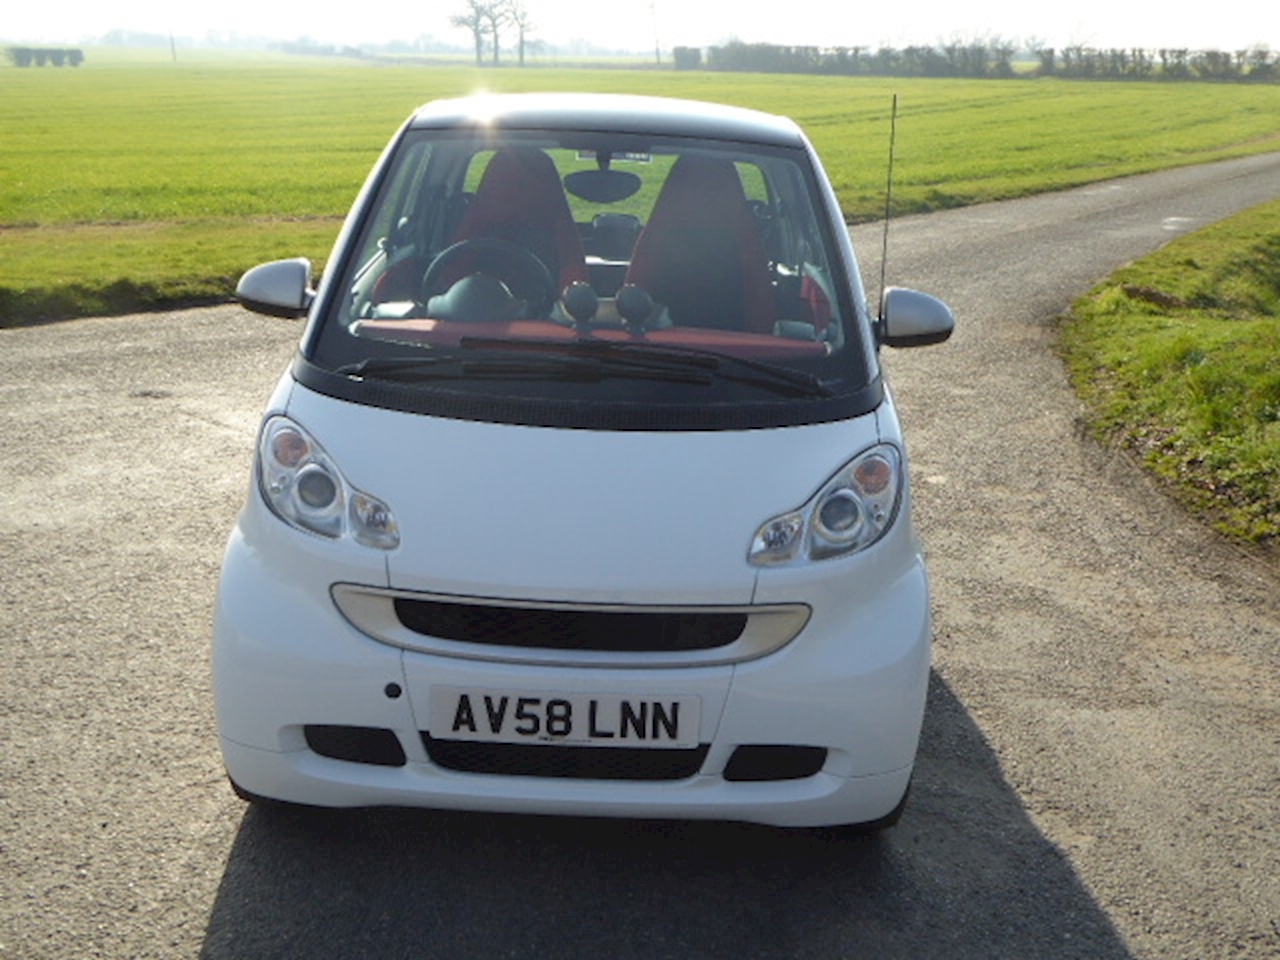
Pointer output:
x,y
888,201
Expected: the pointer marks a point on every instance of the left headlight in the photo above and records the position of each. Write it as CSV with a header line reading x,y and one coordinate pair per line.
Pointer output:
x,y
851,511
304,488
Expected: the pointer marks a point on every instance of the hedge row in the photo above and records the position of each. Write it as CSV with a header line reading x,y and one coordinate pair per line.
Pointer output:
x,y
39,56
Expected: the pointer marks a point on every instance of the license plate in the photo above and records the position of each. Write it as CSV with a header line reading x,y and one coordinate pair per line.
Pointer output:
x,y
501,716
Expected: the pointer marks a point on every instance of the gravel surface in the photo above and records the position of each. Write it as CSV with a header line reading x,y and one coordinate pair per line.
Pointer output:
x,y
1100,768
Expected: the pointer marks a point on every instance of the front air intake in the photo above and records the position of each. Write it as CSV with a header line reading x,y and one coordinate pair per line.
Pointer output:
x,y
603,630
753,764
572,763
372,745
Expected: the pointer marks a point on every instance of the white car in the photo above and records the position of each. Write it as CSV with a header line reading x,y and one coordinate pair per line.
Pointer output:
x,y
584,493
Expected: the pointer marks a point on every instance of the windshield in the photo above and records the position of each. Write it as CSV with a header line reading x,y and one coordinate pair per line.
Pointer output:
x,y
703,272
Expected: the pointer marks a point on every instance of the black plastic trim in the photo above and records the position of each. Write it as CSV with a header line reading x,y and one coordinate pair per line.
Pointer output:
x,y
440,401
372,745
607,630
768,762
572,763
583,114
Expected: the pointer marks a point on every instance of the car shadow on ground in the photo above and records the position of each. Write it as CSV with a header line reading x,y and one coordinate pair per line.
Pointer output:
x,y
964,874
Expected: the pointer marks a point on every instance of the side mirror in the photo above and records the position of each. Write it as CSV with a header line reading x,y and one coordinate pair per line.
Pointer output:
x,y
913,319
281,288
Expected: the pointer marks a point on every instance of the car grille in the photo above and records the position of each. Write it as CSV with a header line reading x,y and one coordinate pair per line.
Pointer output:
x,y
599,630
579,763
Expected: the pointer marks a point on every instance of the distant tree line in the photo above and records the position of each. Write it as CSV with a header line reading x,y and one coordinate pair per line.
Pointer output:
x,y
987,59
39,56
311,49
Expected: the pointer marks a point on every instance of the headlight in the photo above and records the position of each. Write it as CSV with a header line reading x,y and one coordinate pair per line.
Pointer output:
x,y
305,489
850,512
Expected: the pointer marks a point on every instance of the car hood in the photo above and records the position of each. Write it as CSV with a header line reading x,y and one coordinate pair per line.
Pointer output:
x,y
543,514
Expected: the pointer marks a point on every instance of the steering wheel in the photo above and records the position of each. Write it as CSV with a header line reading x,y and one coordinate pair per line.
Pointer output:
x,y
513,262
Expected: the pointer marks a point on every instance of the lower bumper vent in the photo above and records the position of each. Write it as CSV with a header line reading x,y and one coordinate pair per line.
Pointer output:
x,y
768,762
579,763
372,745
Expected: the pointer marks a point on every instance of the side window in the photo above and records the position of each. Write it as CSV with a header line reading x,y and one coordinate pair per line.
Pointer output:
x,y
753,183
388,260
755,187
402,195
475,171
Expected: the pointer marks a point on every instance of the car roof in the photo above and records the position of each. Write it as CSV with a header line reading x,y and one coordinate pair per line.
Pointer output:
x,y
609,113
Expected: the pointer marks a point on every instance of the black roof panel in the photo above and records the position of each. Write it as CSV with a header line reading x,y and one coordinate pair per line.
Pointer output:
x,y
609,113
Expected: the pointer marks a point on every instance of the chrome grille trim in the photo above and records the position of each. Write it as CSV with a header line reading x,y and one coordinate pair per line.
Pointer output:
x,y
372,611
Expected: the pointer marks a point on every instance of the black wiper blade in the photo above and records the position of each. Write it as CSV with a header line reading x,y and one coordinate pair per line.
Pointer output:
x,y
452,367
389,366
632,353
781,379
651,357
589,361
580,369
512,367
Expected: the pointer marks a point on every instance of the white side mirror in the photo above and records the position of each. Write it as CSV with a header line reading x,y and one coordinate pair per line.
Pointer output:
x,y
914,319
281,288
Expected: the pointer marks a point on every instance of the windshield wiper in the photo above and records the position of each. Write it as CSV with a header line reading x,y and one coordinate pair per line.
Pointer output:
x,y
654,358
568,368
588,361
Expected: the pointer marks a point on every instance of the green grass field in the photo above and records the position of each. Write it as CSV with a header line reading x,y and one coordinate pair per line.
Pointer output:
x,y
133,181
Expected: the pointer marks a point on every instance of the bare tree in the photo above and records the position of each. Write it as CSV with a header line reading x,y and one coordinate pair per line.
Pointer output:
x,y
475,19
496,16
519,17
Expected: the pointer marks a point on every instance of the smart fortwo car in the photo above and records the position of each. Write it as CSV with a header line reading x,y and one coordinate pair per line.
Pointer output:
x,y
584,493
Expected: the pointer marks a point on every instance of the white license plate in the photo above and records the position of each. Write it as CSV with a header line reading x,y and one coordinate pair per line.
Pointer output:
x,y
501,716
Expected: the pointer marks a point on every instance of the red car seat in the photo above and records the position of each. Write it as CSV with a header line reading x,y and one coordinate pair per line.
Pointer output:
x,y
701,255
520,199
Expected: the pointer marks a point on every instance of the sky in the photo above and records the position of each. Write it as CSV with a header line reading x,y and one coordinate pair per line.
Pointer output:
x,y
636,24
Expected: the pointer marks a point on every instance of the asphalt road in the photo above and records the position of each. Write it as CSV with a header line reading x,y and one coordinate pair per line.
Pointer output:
x,y
1099,775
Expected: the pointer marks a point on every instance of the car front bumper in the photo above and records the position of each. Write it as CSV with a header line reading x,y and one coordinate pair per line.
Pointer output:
x,y
852,683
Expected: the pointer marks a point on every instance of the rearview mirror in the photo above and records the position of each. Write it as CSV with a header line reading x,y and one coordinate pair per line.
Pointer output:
x,y
913,319
602,186
281,288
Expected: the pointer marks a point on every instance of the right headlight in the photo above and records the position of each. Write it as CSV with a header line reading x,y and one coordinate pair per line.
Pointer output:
x,y
304,488
850,512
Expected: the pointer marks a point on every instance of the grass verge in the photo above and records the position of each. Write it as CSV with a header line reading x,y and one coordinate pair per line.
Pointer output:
x,y
60,272
1177,358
